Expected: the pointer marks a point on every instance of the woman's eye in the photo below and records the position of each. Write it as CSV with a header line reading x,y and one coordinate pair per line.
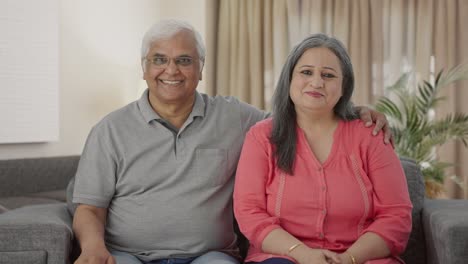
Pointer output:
x,y
306,72
328,75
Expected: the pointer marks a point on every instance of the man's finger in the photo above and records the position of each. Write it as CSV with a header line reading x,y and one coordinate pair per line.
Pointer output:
x,y
388,135
380,123
365,116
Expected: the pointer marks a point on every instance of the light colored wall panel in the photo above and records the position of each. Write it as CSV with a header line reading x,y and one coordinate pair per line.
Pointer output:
x,y
29,71
99,53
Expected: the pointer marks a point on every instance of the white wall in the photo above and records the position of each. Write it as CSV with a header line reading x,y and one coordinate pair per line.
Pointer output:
x,y
99,63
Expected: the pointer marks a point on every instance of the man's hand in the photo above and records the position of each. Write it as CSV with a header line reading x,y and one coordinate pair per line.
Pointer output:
x,y
369,117
96,257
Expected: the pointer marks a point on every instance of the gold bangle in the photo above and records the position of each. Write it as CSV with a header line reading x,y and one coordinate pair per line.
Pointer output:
x,y
293,247
353,260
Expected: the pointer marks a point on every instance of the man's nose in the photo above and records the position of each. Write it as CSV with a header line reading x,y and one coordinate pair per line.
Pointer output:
x,y
172,67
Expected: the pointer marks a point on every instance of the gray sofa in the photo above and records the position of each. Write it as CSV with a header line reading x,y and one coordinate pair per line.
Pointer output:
x,y
36,224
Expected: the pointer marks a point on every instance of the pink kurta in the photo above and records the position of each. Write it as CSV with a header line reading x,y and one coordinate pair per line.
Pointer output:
x,y
360,188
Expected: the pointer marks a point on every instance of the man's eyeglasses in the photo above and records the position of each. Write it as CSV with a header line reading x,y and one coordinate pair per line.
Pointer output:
x,y
163,61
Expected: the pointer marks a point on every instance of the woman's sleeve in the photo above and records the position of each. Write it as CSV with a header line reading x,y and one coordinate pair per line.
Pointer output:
x,y
392,205
250,201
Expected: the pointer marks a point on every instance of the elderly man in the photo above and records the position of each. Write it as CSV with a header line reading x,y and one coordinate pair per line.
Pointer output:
x,y
155,180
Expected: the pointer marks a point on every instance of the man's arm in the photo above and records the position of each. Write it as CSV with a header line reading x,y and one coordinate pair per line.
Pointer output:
x,y
88,226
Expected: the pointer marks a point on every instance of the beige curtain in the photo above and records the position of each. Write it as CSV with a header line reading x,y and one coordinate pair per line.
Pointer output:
x,y
349,21
249,48
248,41
450,43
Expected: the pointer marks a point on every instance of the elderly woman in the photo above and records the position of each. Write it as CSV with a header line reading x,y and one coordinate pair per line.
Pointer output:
x,y
312,185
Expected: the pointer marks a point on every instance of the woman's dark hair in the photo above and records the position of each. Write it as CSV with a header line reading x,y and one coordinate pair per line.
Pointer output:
x,y
283,135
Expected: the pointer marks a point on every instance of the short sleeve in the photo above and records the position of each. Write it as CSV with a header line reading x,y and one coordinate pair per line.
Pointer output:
x,y
96,173
250,115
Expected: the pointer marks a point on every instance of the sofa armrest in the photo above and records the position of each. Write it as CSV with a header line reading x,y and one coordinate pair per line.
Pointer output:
x,y
32,232
446,229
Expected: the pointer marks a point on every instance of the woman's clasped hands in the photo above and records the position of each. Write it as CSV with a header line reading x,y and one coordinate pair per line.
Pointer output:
x,y
306,255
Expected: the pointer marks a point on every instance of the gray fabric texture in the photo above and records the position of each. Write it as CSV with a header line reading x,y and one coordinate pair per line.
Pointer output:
x,y
26,176
2,208
37,228
24,257
415,250
168,193
59,195
41,228
70,205
20,201
446,226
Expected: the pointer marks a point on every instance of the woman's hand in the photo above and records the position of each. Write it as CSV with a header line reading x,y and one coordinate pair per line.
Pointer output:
x,y
344,258
306,255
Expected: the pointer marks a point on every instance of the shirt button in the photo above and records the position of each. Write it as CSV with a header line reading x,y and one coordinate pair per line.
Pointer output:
x,y
324,211
320,169
324,188
321,235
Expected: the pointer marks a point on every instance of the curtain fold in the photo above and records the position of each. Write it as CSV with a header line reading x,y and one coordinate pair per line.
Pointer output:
x,y
450,40
251,46
211,40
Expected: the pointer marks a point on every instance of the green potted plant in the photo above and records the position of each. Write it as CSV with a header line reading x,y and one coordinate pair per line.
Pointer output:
x,y
417,133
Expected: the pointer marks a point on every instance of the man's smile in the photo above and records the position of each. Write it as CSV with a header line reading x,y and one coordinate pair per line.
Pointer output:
x,y
170,82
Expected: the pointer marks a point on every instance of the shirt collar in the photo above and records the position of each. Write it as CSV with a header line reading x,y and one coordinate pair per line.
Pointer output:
x,y
149,114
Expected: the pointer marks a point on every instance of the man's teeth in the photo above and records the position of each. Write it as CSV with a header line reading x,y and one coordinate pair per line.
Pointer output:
x,y
170,82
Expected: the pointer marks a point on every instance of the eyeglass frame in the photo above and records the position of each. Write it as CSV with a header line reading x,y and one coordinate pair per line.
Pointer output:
x,y
179,64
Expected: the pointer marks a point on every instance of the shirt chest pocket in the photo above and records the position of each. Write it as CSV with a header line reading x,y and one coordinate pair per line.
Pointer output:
x,y
211,166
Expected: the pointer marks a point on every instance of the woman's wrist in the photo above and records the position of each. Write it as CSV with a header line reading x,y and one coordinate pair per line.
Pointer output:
x,y
298,252
351,258
292,248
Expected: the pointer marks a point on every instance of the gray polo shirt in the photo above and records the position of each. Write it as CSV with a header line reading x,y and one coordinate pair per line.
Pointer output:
x,y
168,192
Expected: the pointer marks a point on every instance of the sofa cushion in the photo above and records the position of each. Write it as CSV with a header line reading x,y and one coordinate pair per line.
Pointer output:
x,y
446,225
33,175
415,250
59,195
24,257
19,201
37,228
3,209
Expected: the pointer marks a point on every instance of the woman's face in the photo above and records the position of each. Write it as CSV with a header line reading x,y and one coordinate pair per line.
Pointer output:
x,y
317,80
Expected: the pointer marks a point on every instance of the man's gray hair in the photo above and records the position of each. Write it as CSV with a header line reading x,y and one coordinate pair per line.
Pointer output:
x,y
167,28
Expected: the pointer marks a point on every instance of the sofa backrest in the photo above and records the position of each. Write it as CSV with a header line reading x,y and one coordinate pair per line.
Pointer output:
x,y
24,176
415,252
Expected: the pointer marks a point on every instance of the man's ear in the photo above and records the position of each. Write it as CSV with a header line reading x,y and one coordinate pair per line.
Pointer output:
x,y
142,70
201,71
